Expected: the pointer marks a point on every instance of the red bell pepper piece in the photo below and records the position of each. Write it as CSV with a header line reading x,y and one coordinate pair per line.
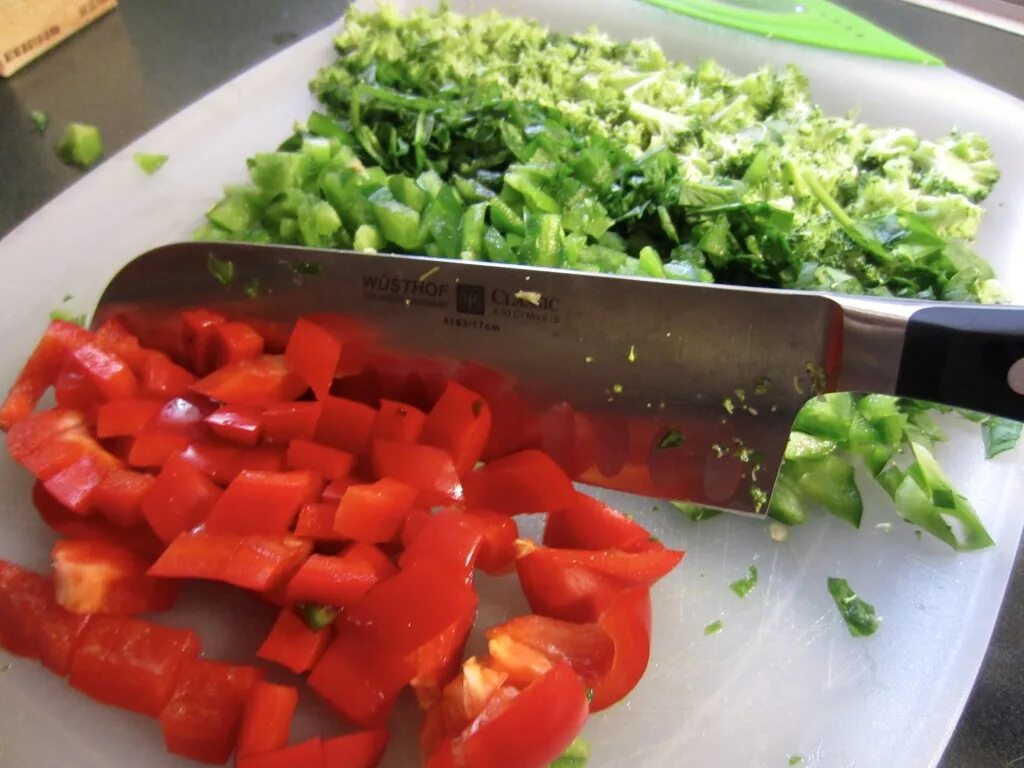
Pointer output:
x,y
359,679
108,372
460,423
179,500
339,580
199,338
32,624
236,342
119,496
307,754
356,750
114,338
154,449
130,663
259,383
75,391
267,719
591,524
330,463
41,370
345,424
552,711
293,644
285,422
437,660
252,562
316,521
202,719
223,462
73,486
632,568
525,482
335,490
374,513
628,623
162,378
263,502
236,424
138,538
497,553
317,346
428,469
400,422
125,417
99,577
47,442
449,538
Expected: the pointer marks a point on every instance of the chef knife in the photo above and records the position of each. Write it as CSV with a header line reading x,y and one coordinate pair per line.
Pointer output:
x,y
662,388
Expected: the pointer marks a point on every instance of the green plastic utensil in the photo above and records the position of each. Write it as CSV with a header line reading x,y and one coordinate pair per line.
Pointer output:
x,y
810,22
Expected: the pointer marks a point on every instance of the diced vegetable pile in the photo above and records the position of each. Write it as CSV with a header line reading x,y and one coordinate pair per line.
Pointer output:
x,y
490,138
190,445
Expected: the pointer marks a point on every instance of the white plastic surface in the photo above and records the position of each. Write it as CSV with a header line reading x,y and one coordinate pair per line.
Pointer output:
x,y
783,677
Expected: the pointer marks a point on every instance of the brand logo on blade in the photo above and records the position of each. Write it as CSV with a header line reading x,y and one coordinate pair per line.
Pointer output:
x,y
470,299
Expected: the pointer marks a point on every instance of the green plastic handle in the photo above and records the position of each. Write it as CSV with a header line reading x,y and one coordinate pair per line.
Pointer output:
x,y
810,22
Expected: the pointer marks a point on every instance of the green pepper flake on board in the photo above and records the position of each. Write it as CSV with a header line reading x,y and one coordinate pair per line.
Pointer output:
x,y
859,615
743,587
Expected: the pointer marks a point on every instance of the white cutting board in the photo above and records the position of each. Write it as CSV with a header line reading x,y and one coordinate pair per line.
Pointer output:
x,y
783,677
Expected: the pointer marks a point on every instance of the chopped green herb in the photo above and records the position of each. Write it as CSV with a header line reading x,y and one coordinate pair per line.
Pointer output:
x,y
796,760
743,587
713,628
80,145
252,287
575,755
728,405
150,163
695,511
67,316
40,120
859,616
317,617
223,270
673,438
1000,435
617,389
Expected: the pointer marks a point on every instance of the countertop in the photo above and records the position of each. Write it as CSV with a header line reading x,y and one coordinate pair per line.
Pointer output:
x,y
151,58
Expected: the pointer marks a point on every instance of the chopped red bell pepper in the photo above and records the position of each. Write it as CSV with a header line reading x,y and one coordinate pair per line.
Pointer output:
x,y
179,500
32,623
316,521
202,719
400,422
47,442
267,719
306,754
199,338
263,502
345,424
236,342
100,577
126,417
293,644
525,482
285,422
237,424
41,370
497,553
428,469
356,750
162,378
73,486
632,568
335,490
108,372
152,450
223,462
119,496
339,580
330,463
592,524
253,562
114,338
437,661
75,391
131,663
314,350
449,538
259,383
374,513
628,623
460,423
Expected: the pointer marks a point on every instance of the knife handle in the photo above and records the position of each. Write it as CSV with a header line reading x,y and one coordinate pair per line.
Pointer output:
x,y
967,357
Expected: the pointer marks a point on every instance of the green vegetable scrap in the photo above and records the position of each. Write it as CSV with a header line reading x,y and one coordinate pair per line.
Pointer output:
x,y
713,628
223,271
796,760
317,617
80,145
68,316
40,120
743,587
489,138
1000,435
575,755
149,163
859,616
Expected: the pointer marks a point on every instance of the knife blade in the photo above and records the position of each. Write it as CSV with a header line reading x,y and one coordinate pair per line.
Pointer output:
x,y
665,389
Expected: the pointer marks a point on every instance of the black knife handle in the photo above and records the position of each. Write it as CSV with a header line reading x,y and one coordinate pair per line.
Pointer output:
x,y
963,356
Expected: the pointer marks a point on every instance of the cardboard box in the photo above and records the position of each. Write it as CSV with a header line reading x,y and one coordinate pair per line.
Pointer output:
x,y
29,28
